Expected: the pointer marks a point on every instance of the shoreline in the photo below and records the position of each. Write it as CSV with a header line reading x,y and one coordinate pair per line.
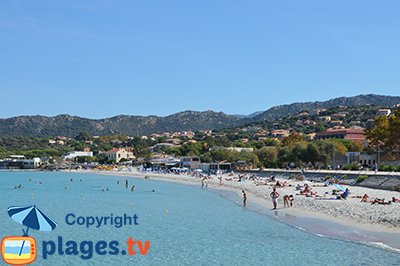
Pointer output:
x,y
262,200
319,224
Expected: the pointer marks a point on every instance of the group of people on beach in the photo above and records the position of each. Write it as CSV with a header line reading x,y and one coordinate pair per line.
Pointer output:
x,y
287,199
365,198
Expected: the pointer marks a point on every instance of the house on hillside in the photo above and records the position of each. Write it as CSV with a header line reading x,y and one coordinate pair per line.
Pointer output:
x,y
352,134
384,112
280,133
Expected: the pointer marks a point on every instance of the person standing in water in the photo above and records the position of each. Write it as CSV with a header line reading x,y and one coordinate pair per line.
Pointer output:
x,y
126,183
244,198
274,196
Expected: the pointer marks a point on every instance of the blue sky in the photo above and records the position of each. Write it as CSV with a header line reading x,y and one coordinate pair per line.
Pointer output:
x,y
103,58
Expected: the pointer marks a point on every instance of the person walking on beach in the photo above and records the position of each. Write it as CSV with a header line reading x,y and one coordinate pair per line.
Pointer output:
x,y
202,182
274,196
244,198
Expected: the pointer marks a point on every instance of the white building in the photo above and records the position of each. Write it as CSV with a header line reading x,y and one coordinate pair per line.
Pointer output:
x,y
117,155
74,154
384,112
237,149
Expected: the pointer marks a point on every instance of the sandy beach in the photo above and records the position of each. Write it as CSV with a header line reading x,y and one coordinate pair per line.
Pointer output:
x,y
350,212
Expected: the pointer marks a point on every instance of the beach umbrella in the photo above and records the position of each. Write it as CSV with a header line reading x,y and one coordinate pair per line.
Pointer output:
x,y
340,187
32,218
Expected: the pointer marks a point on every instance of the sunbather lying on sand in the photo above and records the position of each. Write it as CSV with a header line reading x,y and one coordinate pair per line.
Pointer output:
x,y
395,200
380,201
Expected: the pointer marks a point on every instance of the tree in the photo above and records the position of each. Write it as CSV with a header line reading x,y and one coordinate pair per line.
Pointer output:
x,y
379,134
386,134
312,154
393,140
331,147
292,139
83,136
268,156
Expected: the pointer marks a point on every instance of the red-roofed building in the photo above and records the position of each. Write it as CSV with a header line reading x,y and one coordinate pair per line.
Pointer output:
x,y
352,134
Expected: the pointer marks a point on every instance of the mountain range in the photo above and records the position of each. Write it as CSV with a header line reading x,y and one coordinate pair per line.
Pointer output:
x,y
67,125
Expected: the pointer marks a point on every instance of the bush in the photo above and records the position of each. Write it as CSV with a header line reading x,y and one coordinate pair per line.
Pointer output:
x,y
387,168
361,178
353,167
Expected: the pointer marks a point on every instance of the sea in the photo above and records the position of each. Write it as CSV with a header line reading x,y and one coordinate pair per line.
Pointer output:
x,y
182,224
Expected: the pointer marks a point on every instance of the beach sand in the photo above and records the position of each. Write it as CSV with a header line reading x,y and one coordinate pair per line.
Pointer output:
x,y
349,212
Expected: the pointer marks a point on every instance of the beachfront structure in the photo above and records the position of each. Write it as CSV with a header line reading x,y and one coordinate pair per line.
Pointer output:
x,y
20,162
75,154
362,158
352,134
190,162
216,167
117,154
162,163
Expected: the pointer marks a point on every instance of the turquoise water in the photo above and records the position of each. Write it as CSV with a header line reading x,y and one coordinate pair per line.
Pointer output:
x,y
185,225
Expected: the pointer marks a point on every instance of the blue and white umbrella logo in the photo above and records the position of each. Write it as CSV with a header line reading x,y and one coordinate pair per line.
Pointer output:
x,y
32,218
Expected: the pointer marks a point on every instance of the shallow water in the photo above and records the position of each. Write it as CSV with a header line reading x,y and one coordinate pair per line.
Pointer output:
x,y
185,224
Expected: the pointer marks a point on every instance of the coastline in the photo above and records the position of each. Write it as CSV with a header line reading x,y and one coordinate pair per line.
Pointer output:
x,y
302,206
320,224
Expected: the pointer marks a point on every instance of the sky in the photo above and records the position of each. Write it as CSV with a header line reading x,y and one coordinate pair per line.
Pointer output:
x,y
99,59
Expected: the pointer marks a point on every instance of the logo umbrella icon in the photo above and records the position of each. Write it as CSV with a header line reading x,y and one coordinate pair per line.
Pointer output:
x,y
32,218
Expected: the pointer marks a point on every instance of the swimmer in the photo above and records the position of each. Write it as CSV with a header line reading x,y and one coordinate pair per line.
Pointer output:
x,y
133,188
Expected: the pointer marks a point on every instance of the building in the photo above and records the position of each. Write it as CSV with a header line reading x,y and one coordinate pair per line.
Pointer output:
x,y
20,162
352,134
117,154
336,122
190,162
162,163
339,115
325,118
317,111
280,133
74,154
310,137
384,112
237,149
362,158
216,167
